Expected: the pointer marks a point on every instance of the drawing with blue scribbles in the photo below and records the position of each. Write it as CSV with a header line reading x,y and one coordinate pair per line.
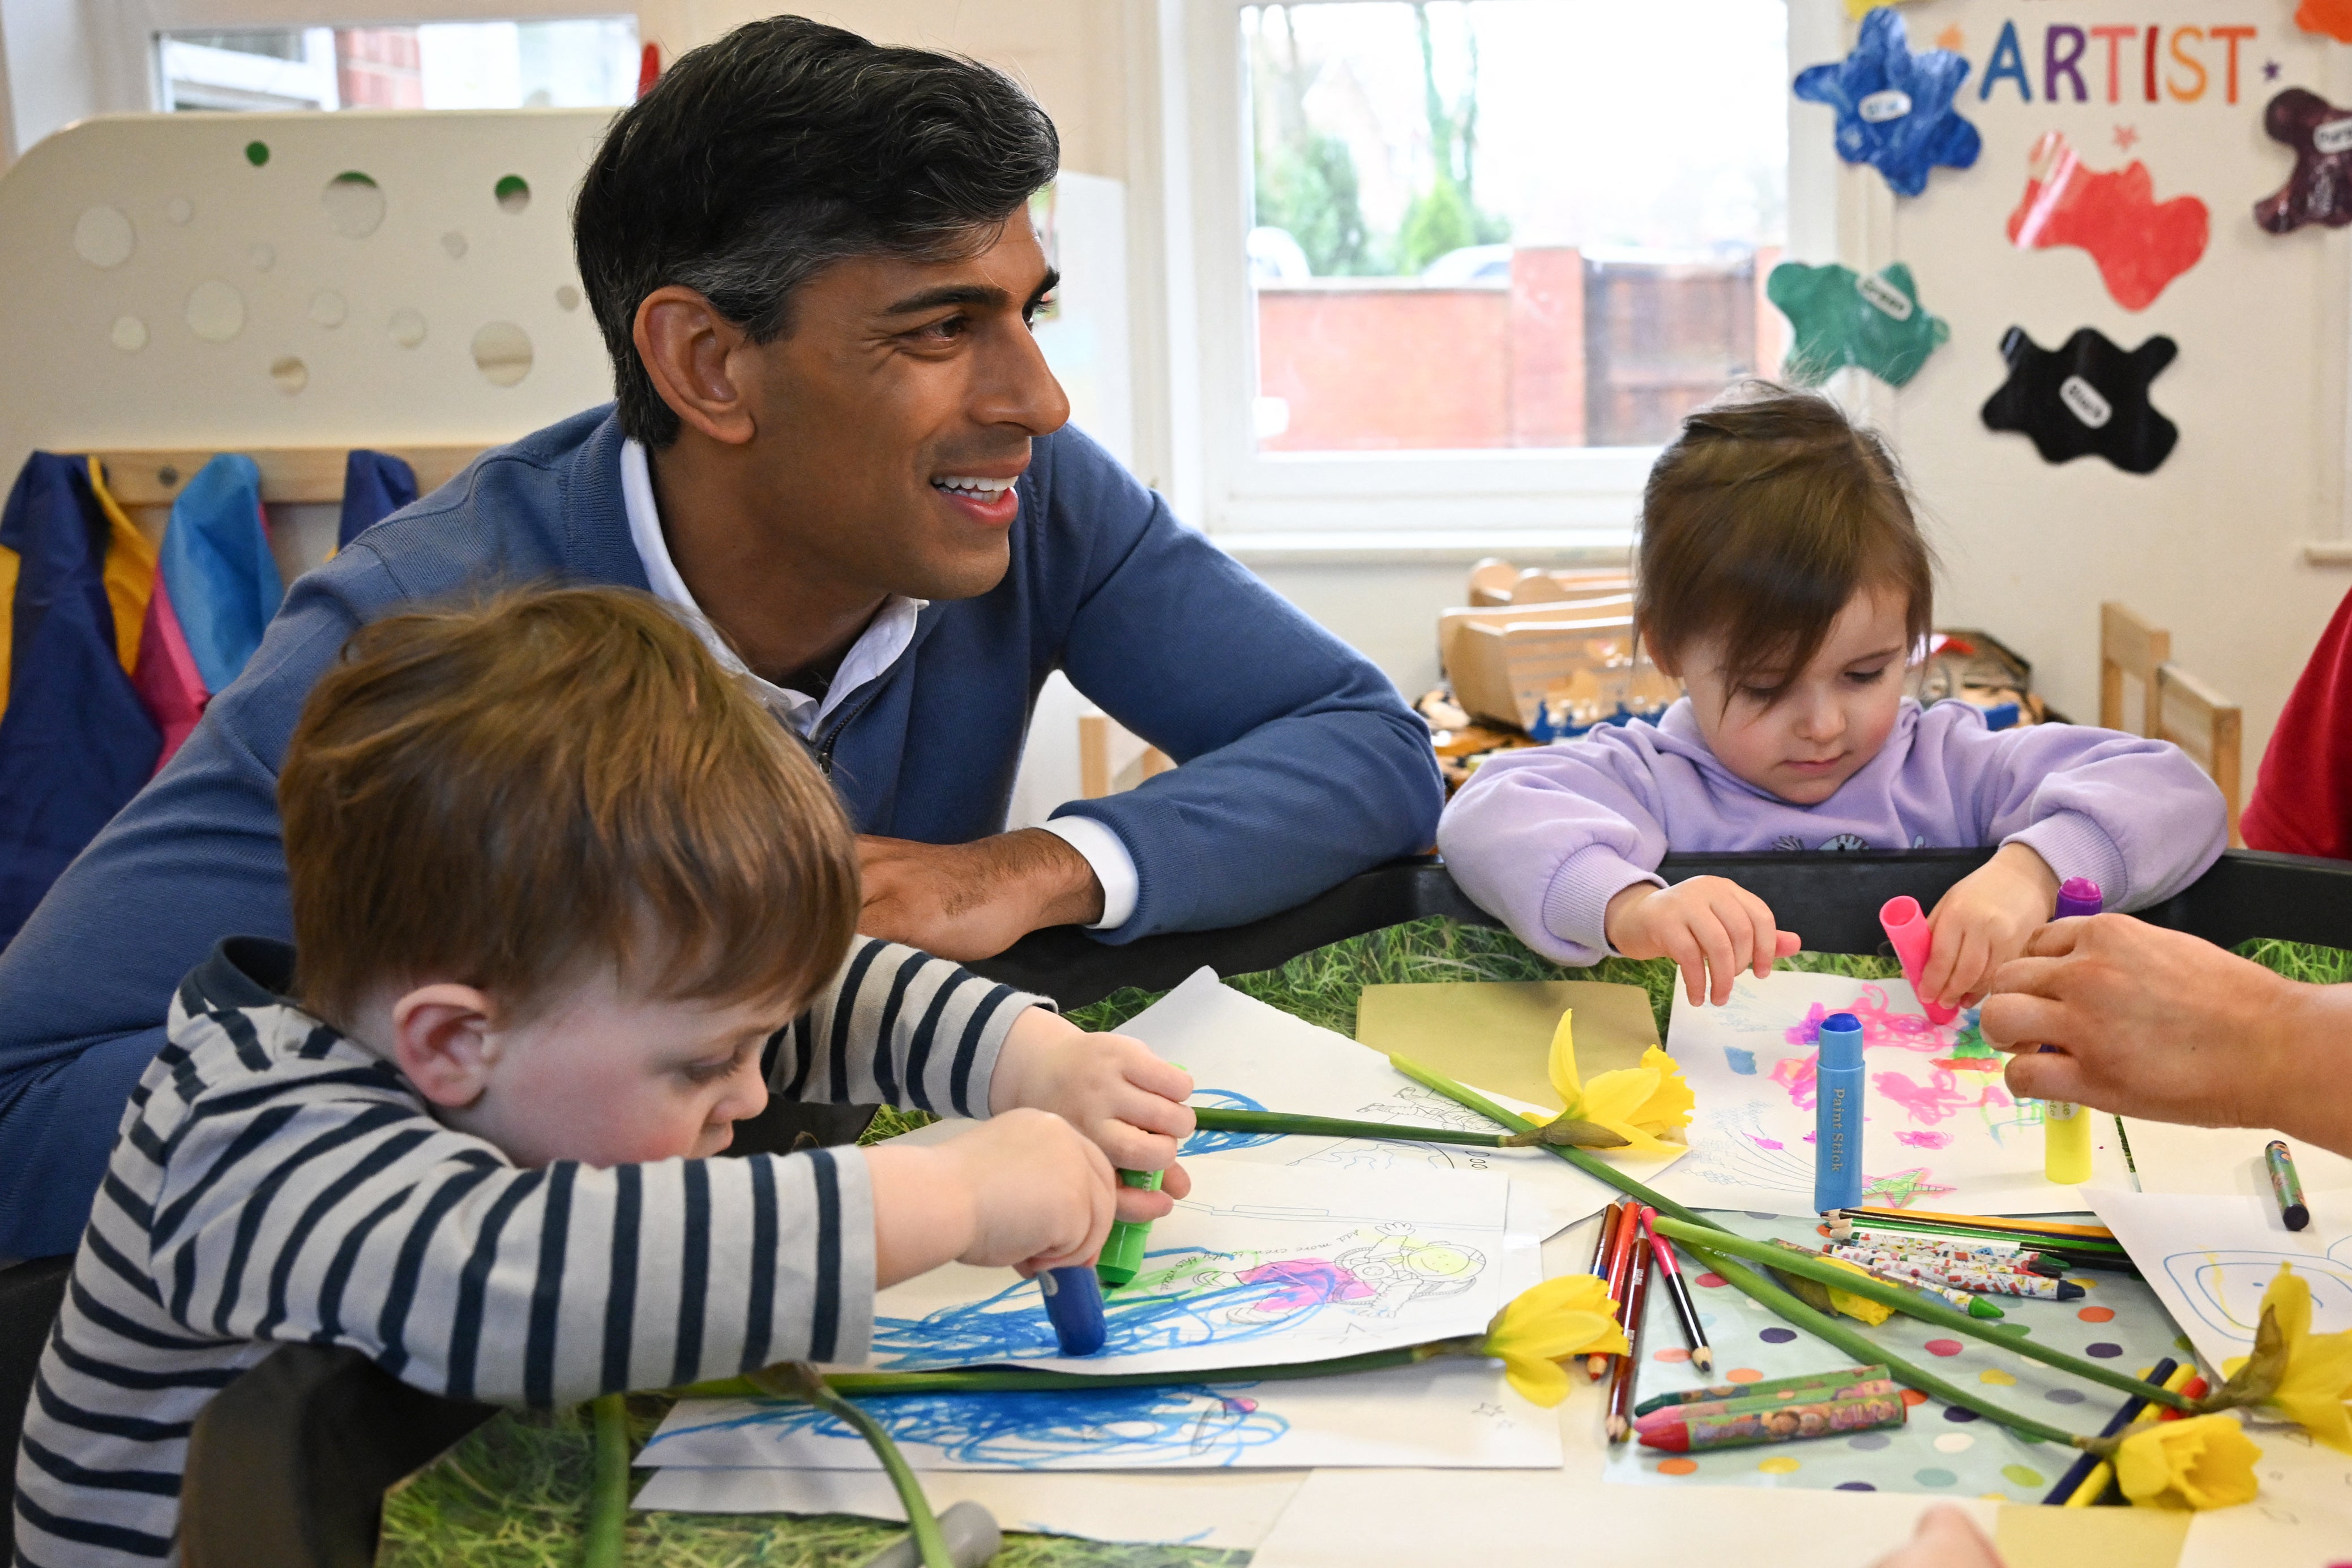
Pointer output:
x,y
1203,1143
1893,107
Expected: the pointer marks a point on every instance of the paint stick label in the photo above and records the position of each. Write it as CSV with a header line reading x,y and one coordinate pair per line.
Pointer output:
x,y
2060,1109
1888,299
2335,136
1892,103
2084,401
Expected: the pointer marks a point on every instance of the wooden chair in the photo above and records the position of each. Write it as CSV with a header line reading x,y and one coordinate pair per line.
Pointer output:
x,y
2129,647
1495,580
1098,777
2195,717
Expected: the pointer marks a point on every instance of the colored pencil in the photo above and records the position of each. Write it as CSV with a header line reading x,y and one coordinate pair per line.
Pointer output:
x,y
1621,1376
2103,1473
1620,1253
1817,1385
1702,1354
1605,1253
2080,1470
2067,1251
1999,1224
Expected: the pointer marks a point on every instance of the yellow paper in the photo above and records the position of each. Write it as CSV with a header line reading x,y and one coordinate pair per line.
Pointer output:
x,y
1498,1034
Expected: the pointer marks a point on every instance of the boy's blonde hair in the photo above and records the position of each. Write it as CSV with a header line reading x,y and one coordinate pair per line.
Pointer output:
x,y
505,794
1760,521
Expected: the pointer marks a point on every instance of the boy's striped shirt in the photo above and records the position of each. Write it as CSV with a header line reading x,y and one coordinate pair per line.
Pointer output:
x,y
273,1181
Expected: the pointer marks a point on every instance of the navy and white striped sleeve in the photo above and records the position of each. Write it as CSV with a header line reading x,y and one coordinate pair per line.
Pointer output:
x,y
471,1277
900,1026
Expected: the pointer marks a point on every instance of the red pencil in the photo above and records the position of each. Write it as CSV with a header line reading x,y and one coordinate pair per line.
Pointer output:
x,y
1620,1251
1621,1380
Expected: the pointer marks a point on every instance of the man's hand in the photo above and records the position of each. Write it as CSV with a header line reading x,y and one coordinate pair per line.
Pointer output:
x,y
1944,1539
1708,925
1113,1090
1982,921
2156,1023
973,901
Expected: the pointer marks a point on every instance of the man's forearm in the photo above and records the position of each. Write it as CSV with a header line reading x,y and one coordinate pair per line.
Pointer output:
x,y
2305,1088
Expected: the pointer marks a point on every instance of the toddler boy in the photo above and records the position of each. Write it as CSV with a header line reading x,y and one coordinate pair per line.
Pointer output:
x,y
565,903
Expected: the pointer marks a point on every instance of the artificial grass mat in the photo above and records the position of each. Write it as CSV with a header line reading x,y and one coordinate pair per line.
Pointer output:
x,y
515,1493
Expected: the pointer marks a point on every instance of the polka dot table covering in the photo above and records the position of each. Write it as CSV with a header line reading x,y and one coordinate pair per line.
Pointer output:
x,y
1940,1449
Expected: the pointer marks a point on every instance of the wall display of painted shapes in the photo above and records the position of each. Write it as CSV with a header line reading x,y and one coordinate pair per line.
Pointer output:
x,y
2320,190
2139,243
1839,317
1893,107
2087,398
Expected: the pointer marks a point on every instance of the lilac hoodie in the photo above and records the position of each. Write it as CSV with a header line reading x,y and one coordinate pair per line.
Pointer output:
x,y
1545,837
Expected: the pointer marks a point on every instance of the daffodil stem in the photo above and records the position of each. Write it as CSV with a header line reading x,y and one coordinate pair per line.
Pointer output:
x,y
1277,1122
921,1522
1923,1308
1864,1350
608,1496
1591,1165
1021,1380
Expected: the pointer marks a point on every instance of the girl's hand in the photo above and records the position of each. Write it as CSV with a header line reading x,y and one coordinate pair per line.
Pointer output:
x,y
1713,928
1983,921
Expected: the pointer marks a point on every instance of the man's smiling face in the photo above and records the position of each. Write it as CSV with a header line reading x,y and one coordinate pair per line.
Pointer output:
x,y
895,412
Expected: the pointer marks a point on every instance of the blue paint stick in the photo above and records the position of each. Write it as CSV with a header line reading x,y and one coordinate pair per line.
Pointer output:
x,y
2065,1126
1075,1305
1837,1114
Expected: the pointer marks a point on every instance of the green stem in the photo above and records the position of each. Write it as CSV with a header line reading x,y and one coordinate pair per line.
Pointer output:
x,y
1866,1350
1927,1308
921,1523
608,1500
1217,1121
1021,1380
1599,1169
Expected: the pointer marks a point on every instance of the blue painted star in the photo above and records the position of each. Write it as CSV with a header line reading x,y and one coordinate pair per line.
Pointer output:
x,y
1894,108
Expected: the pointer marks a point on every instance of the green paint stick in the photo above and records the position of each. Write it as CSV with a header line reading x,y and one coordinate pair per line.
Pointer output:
x,y
1122,1253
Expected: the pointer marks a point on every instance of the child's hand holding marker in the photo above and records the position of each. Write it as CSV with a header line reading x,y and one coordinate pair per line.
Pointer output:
x,y
1983,921
1022,1190
1713,928
1120,1096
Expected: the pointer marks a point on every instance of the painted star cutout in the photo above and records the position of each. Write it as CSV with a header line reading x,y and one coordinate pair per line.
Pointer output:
x,y
2270,70
2088,399
2333,18
1839,318
1952,39
2141,243
2124,137
1894,108
2320,191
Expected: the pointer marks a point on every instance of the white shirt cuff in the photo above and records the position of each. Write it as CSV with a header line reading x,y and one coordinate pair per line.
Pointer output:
x,y
1106,851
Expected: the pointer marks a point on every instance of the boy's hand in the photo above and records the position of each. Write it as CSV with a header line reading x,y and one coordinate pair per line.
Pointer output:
x,y
1982,923
1021,1189
1111,1088
1712,927
1945,1539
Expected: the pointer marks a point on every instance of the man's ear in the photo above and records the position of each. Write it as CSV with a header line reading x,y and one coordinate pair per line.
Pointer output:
x,y
694,355
441,1042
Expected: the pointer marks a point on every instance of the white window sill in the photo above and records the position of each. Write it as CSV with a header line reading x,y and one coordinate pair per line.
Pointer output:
x,y
1401,547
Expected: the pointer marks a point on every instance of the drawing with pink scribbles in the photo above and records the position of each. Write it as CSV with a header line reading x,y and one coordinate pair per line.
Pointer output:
x,y
1938,1124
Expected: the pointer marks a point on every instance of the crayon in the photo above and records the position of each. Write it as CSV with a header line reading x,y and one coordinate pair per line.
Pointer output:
x,y
1770,1388
1702,1353
1975,1306
1935,1258
1780,1424
2076,1473
1838,1113
1074,1305
2035,1287
1994,1256
1621,1376
2285,1185
1122,1253
1812,1393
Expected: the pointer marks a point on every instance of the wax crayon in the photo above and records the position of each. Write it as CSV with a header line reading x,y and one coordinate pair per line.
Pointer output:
x,y
2285,1185
1838,1113
1999,1282
1815,1393
1776,1423
1975,1306
1805,1383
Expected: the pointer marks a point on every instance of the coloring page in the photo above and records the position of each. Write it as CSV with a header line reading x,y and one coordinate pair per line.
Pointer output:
x,y
2208,1260
1260,1265
1940,1130
1244,1055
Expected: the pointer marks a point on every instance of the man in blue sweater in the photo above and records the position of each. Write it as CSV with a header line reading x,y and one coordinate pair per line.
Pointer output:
x,y
837,451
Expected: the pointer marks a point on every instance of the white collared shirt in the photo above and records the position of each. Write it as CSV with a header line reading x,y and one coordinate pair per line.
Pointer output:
x,y
879,646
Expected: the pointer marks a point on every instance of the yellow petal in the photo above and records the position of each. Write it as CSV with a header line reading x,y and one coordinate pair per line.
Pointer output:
x,y
1613,1098
2317,1376
1562,1064
2206,1461
1672,1103
1569,1315
1539,1381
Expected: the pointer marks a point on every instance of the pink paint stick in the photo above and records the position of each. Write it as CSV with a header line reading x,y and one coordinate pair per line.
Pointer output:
x,y
1906,927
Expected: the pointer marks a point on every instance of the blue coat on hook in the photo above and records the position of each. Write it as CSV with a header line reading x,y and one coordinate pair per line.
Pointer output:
x,y
1894,108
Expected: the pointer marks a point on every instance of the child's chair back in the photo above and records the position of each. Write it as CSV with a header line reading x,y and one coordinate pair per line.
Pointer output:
x,y
2204,723
2128,647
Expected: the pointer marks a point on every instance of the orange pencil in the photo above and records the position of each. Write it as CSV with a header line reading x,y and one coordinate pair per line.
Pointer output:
x,y
1620,1379
1620,1252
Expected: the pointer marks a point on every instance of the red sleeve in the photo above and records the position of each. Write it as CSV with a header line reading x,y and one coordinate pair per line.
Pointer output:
x,y
2302,796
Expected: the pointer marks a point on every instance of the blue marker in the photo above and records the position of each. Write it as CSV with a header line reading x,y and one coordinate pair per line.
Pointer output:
x,y
1075,1305
1837,1114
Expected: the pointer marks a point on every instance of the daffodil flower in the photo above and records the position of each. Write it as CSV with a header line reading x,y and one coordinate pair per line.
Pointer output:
x,y
2206,1461
1541,1327
1637,1103
2294,1373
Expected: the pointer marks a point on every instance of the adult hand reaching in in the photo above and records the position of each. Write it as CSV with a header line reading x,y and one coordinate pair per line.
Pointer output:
x,y
973,901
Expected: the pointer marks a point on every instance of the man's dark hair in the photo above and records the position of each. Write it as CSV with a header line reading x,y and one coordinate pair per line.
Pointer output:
x,y
762,158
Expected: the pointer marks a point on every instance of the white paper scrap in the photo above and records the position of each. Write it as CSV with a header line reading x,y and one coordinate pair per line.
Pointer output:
x,y
2209,1260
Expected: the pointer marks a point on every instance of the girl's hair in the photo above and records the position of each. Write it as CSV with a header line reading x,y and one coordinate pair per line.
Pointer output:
x,y
1760,521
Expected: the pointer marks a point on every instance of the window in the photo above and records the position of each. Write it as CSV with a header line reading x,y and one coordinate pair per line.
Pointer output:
x,y
1483,254
576,62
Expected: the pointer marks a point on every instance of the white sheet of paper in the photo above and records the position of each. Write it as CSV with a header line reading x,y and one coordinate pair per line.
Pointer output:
x,y
1440,1415
1260,1265
1523,1518
1940,1130
2208,1260
1228,1509
2223,1161
1246,1055
2302,1519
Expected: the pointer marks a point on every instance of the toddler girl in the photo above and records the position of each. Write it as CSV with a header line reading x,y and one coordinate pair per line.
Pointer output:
x,y
1782,578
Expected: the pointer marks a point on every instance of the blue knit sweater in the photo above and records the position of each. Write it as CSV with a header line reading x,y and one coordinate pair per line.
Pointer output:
x,y
1300,764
